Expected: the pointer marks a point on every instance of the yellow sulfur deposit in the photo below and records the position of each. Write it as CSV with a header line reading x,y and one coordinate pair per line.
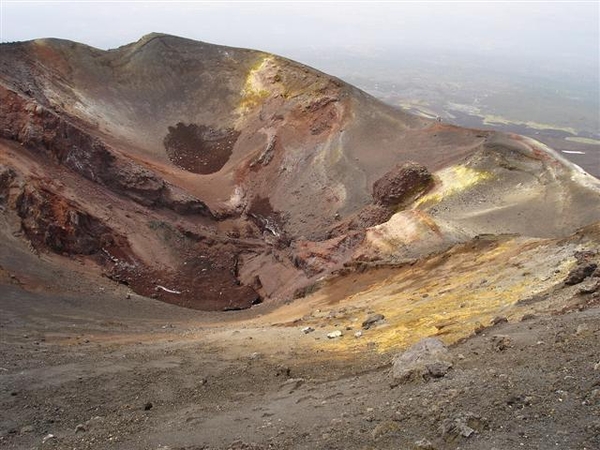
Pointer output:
x,y
447,296
255,90
452,180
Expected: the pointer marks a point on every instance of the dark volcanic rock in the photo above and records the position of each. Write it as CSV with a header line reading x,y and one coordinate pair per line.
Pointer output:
x,y
580,273
401,184
372,320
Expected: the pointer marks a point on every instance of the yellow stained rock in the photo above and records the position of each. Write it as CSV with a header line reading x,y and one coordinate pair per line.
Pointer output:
x,y
255,88
448,296
451,181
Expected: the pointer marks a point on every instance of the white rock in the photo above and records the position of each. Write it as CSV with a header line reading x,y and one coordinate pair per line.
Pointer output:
x,y
334,334
48,437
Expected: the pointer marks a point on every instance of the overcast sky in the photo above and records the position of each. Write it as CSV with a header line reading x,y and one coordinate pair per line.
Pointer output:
x,y
541,29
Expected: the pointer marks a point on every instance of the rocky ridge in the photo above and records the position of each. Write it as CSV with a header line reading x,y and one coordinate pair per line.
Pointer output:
x,y
219,178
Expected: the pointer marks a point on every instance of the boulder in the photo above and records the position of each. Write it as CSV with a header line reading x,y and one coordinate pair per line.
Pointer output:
x,y
580,273
402,184
429,358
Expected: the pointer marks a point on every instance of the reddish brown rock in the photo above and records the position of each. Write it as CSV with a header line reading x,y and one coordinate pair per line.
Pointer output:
x,y
401,184
60,139
53,222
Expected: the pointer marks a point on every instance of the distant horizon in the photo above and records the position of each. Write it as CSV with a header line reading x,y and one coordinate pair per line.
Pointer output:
x,y
559,30
312,56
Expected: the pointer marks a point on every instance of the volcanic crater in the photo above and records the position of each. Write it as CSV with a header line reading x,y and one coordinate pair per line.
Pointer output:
x,y
261,161
222,242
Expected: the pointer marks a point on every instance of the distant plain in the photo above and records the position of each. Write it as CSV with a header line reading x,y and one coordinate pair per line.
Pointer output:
x,y
557,104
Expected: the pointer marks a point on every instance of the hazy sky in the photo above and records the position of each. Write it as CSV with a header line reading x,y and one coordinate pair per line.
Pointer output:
x,y
538,29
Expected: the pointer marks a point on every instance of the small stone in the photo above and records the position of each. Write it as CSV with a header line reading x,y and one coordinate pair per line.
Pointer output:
x,y
293,384
597,366
148,406
385,428
282,370
501,343
27,429
48,437
498,320
479,329
307,330
528,316
80,428
519,401
424,444
372,320
334,334
462,425
582,330
128,296
358,334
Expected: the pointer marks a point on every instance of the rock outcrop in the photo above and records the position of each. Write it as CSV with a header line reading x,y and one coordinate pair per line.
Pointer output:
x,y
402,184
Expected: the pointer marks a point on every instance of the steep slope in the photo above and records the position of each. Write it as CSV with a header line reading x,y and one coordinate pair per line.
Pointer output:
x,y
216,178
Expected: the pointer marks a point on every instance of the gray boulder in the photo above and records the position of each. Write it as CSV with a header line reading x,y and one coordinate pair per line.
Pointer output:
x,y
429,358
